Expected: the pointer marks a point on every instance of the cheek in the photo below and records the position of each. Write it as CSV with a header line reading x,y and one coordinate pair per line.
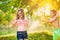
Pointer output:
x,y
51,13
20,15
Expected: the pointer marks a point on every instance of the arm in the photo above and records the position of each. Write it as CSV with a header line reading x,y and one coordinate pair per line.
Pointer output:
x,y
13,23
27,23
50,20
53,19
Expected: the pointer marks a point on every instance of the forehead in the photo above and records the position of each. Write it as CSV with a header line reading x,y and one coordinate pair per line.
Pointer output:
x,y
53,11
19,12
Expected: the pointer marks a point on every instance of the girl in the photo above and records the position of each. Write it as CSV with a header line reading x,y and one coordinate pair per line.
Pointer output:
x,y
21,23
55,22
54,19
56,35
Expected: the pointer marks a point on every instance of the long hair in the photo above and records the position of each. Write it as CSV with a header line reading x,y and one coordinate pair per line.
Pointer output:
x,y
22,11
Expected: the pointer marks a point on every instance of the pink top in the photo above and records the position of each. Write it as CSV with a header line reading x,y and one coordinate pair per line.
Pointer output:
x,y
21,24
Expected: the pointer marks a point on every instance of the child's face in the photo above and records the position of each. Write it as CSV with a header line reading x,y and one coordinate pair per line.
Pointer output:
x,y
52,14
20,14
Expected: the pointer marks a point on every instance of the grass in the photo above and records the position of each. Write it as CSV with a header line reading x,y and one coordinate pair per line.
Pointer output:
x,y
31,36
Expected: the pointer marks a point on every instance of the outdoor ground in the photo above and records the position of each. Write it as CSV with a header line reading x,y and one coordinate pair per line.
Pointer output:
x,y
31,36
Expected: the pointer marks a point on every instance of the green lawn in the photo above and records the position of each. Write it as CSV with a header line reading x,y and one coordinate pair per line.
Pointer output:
x,y
31,36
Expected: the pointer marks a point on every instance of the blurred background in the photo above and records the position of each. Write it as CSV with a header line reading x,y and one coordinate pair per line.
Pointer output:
x,y
34,10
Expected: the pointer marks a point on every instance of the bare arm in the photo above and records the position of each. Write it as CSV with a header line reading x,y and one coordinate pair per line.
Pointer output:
x,y
50,20
27,23
53,19
13,23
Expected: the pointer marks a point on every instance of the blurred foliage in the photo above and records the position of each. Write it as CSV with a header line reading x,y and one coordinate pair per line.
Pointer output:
x,y
7,30
35,10
8,7
7,4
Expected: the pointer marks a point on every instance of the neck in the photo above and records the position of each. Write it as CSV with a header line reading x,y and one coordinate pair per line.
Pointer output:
x,y
21,18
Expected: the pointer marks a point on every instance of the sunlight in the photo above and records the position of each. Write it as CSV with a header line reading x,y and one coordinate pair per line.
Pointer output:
x,y
39,11
59,12
12,6
34,25
25,9
57,0
47,9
